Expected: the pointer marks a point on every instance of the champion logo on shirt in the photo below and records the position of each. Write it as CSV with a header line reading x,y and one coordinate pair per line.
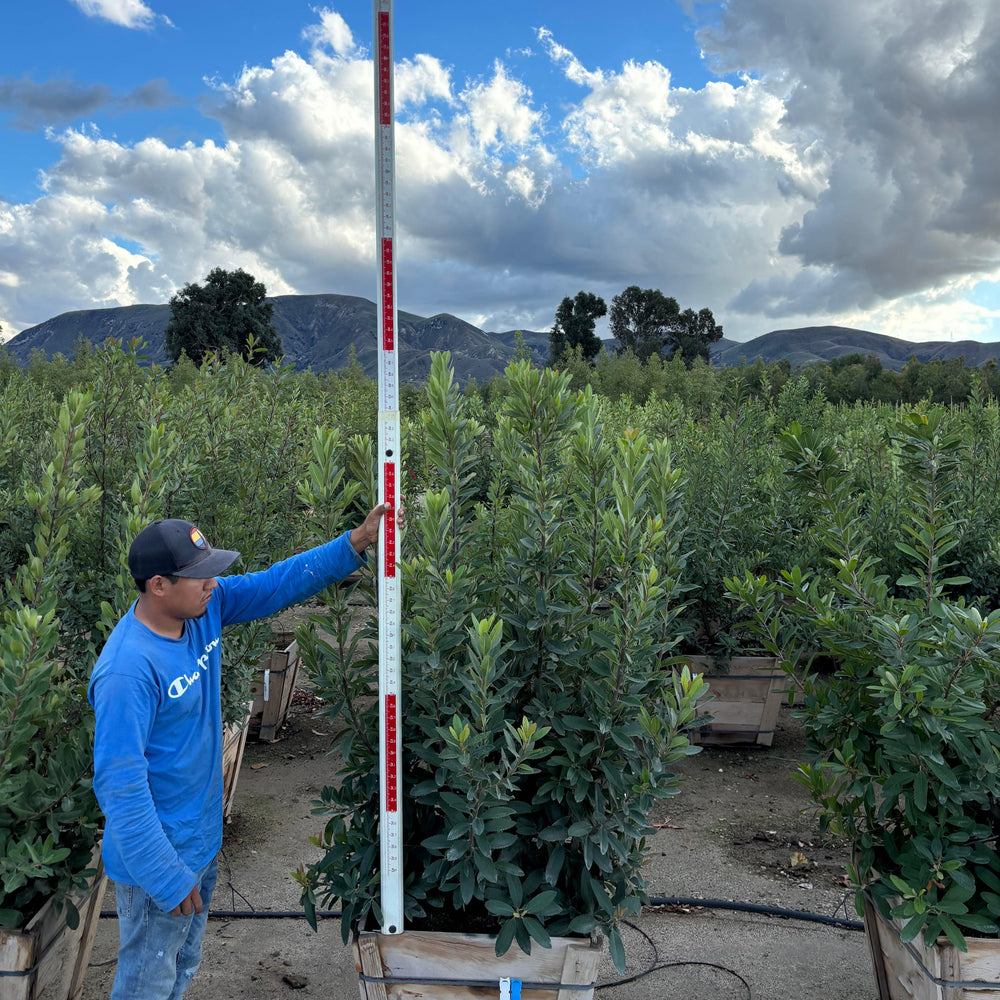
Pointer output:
x,y
179,685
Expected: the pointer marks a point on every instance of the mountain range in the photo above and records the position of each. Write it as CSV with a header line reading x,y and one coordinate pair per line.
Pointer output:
x,y
316,331
319,332
806,345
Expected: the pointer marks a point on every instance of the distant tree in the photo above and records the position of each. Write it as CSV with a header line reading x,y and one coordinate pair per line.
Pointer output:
x,y
643,320
184,372
224,314
522,352
54,376
696,331
991,378
574,326
8,366
647,322
580,371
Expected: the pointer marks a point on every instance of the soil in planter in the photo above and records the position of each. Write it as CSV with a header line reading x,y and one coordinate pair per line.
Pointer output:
x,y
473,920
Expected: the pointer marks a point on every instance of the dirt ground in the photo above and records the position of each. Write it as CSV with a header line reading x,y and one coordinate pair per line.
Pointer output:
x,y
748,800
736,831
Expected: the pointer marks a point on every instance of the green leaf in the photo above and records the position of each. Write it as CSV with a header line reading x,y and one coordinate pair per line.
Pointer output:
x,y
555,865
72,915
505,938
537,931
499,908
920,791
467,884
541,903
953,933
522,936
978,923
616,948
515,889
583,924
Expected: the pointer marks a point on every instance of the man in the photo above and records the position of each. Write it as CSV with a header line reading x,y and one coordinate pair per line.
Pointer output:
x,y
155,690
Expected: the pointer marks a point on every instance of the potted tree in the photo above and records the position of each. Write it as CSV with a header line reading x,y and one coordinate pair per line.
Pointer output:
x,y
50,875
904,736
538,729
78,479
735,522
94,473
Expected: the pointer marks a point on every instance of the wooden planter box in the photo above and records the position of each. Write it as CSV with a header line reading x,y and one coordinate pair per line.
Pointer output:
x,y
234,741
273,687
915,972
744,700
50,960
439,966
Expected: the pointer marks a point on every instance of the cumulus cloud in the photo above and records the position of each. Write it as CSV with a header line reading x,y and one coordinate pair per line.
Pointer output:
x,y
842,171
894,100
332,31
499,111
127,13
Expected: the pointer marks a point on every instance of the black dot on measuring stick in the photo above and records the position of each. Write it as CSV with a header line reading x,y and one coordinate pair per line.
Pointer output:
x,y
392,928
388,453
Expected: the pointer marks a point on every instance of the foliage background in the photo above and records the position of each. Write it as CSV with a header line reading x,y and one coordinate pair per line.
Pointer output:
x,y
94,446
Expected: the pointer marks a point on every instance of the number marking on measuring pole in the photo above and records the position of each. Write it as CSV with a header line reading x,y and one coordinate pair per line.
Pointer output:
x,y
390,772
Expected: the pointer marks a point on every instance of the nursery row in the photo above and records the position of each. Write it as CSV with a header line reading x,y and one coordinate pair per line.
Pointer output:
x,y
561,550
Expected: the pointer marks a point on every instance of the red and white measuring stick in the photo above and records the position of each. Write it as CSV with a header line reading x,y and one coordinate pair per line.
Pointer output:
x,y
390,701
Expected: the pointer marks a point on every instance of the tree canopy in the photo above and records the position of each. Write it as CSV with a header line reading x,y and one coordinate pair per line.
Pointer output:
x,y
697,331
574,326
647,322
225,314
643,320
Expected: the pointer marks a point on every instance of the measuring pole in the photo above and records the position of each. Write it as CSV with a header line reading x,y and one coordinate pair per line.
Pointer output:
x,y
390,777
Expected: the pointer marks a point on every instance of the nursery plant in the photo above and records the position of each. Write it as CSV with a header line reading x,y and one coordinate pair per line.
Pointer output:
x,y
538,724
734,520
49,820
80,475
903,737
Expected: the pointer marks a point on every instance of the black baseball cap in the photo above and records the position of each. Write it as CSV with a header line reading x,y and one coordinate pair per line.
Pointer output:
x,y
175,548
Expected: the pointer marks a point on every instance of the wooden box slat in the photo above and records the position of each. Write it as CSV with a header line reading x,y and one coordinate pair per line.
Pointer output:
x,y
234,742
898,976
456,958
56,955
276,676
744,701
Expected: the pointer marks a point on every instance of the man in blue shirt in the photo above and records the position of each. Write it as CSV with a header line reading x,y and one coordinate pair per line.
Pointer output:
x,y
155,690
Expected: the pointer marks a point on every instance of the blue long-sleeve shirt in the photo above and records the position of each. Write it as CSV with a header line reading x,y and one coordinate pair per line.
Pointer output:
x,y
158,736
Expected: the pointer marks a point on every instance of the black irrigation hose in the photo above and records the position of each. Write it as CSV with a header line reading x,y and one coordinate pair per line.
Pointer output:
x,y
771,911
707,904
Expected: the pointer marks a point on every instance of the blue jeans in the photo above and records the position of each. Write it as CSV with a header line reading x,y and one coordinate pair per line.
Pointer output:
x,y
158,954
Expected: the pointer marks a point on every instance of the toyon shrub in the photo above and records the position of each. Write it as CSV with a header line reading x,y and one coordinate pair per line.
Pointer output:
x,y
538,721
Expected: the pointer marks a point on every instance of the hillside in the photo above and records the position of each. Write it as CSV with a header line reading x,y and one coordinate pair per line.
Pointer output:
x,y
317,332
806,345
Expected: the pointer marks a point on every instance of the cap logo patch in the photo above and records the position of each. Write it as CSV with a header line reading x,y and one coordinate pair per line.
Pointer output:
x,y
198,539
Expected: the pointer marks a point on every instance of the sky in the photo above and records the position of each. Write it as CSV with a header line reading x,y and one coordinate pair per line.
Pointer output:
x,y
781,162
